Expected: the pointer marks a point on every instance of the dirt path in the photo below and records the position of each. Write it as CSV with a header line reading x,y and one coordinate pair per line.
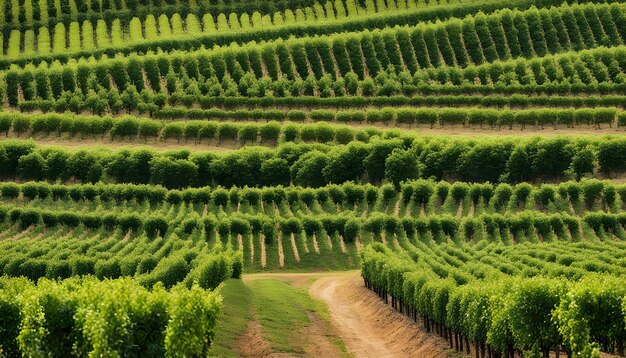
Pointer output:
x,y
367,326
255,345
320,335
76,143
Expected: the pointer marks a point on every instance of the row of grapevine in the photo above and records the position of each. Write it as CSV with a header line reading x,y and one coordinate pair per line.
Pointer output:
x,y
267,27
524,226
130,248
196,132
191,79
219,105
104,318
501,308
416,198
212,132
35,12
396,160
422,116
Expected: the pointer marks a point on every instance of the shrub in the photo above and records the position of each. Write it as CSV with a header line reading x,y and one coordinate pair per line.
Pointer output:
x,y
214,271
29,217
155,226
10,190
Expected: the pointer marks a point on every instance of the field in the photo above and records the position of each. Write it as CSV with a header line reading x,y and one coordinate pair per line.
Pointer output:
x,y
320,178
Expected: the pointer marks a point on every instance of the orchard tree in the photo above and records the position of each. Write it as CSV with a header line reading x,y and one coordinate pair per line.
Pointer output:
x,y
517,166
130,99
583,162
173,173
401,165
307,170
374,163
275,171
346,164
32,167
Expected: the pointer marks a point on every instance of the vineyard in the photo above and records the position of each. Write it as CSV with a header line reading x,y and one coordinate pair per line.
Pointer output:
x,y
159,157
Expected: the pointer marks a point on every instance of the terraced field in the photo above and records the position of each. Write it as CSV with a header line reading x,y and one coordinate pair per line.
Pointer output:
x,y
467,156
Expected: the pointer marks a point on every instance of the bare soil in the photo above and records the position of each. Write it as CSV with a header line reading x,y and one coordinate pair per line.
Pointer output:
x,y
367,326
281,254
319,333
78,143
263,257
370,328
294,247
107,142
252,344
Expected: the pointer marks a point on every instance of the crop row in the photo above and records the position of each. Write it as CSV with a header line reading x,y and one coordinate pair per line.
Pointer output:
x,y
441,116
30,13
77,37
125,83
504,299
232,213
230,26
147,249
184,254
87,317
172,249
33,13
413,199
141,129
139,253
210,104
396,160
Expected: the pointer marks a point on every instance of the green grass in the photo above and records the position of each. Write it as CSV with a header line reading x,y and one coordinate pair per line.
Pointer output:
x,y
237,312
281,308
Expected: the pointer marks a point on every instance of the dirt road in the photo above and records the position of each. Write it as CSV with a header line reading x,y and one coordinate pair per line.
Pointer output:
x,y
367,326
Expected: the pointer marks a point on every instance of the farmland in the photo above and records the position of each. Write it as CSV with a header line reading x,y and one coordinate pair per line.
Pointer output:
x,y
267,177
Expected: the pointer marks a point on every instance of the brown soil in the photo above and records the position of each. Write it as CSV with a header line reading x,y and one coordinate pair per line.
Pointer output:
x,y
294,247
281,254
396,243
251,243
459,210
77,143
19,235
316,246
368,327
396,208
156,144
319,337
343,245
263,257
319,334
252,343
358,244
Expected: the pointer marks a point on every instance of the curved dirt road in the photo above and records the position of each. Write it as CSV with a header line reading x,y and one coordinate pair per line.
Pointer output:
x,y
367,326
